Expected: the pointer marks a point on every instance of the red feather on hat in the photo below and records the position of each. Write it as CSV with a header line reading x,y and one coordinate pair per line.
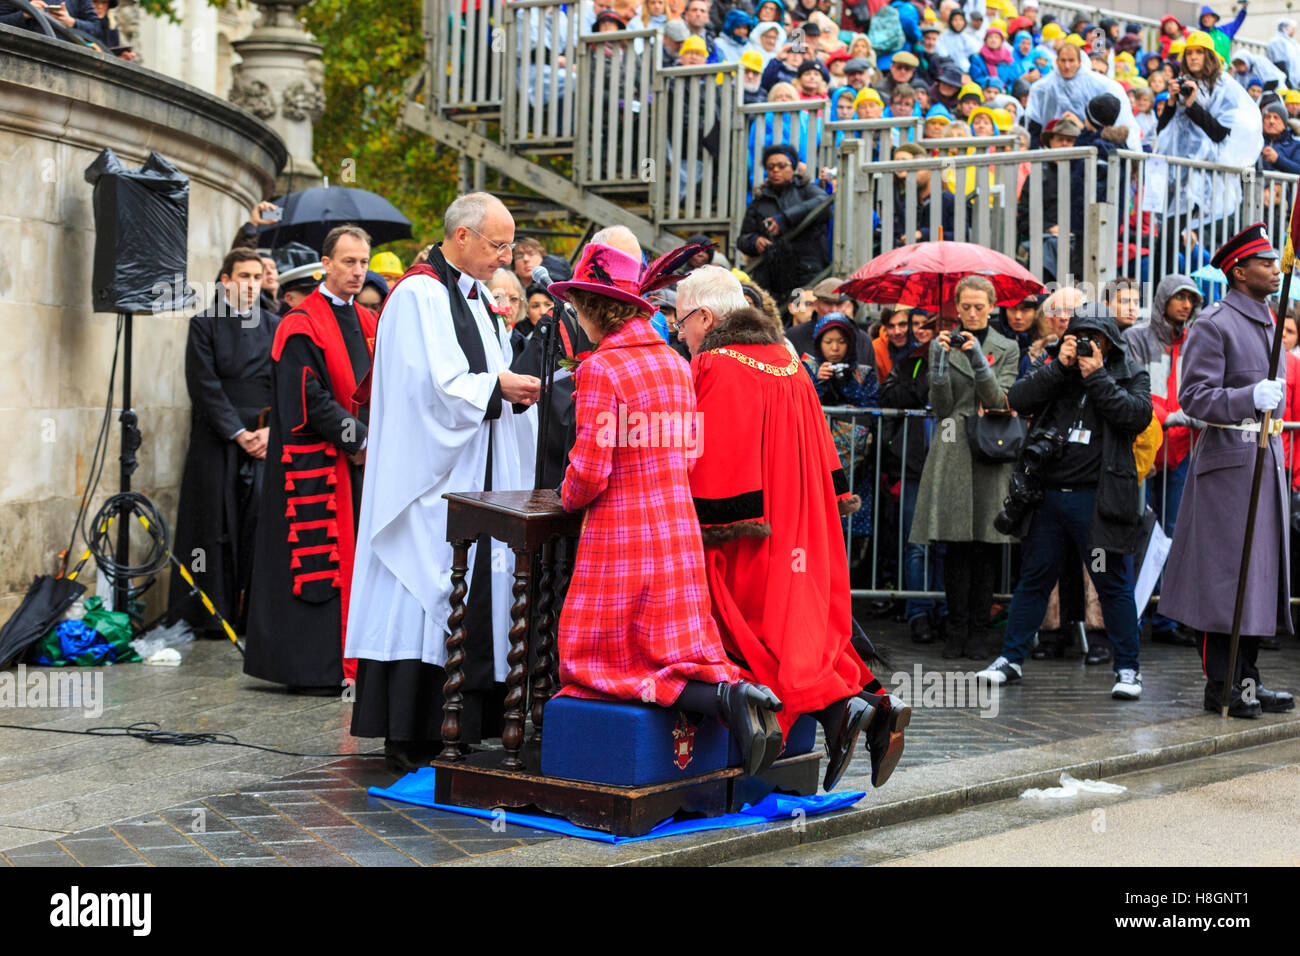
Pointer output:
x,y
663,271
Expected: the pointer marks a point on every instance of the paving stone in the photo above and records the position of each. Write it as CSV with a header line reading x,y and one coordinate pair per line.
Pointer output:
x,y
350,800
315,815
429,850
230,846
388,823
180,856
199,819
102,852
239,805
155,834
273,830
309,854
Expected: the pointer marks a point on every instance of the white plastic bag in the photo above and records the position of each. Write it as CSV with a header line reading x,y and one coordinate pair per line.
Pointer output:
x,y
1071,788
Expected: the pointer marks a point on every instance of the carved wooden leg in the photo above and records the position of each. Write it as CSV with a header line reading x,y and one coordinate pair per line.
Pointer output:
x,y
542,686
512,736
452,700
563,576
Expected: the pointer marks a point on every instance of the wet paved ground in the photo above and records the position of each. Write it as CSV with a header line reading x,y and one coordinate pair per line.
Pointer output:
x,y
73,800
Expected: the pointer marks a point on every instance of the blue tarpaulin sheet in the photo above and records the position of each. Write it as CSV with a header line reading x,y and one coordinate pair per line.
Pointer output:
x,y
417,788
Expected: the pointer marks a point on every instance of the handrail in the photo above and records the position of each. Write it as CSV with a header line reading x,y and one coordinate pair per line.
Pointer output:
x,y
884,122
1181,161
1041,156
965,142
799,106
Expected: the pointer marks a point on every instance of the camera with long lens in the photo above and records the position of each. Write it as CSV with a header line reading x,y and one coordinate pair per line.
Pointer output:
x,y
1025,490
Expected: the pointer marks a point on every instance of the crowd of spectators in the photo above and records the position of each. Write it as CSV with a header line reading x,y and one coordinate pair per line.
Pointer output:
x,y
89,21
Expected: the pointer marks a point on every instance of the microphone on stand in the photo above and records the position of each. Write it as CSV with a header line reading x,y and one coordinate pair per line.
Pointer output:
x,y
546,329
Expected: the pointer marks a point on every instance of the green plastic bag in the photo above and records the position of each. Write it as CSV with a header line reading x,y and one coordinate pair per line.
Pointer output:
x,y
114,627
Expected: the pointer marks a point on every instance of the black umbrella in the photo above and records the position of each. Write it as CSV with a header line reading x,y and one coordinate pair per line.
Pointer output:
x,y
311,213
44,606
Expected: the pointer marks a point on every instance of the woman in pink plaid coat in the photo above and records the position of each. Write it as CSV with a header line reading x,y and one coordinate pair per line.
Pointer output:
x,y
636,623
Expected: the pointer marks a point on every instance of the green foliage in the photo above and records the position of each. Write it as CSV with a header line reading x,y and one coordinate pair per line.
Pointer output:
x,y
371,49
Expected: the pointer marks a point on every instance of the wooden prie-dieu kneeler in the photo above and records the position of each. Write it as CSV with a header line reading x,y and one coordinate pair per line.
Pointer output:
x,y
620,767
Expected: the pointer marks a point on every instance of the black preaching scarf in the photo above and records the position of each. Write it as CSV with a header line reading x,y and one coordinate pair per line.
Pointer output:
x,y
466,326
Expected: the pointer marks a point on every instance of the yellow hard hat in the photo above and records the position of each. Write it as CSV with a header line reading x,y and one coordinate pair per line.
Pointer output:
x,y
1292,96
867,95
1176,47
1053,31
694,44
971,89
1197,38
750,60
1075,39
1002,119
982,111
387,264
999,24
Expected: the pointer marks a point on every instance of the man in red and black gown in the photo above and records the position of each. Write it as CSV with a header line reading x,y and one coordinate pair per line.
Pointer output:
x,y
311,495
769,493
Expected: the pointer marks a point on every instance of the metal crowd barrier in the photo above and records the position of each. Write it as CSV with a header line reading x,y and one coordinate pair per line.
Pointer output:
x,y
886,579
874,207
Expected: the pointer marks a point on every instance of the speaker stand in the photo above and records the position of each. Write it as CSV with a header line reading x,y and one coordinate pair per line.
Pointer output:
x,y
130,443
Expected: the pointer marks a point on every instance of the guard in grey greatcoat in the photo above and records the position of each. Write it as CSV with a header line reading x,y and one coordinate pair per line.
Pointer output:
x,y
1225,367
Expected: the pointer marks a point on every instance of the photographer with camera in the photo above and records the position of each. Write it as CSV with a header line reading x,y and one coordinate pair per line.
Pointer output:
x,y
1076,484
957,499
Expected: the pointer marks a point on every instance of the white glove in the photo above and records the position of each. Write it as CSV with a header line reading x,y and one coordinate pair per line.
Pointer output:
x,y
1268,394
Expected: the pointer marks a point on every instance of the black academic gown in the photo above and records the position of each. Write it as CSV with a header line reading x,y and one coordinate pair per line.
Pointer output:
x,y
228,376
297,639
562,431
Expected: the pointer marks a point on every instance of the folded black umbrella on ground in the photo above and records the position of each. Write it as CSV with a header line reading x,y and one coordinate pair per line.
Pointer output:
x,y
44,605
309,214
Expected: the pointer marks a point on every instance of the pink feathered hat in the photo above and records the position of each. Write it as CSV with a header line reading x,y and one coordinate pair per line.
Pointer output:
x,y
605,271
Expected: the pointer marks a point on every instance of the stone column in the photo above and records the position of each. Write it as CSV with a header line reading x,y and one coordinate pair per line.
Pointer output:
x,y
279,81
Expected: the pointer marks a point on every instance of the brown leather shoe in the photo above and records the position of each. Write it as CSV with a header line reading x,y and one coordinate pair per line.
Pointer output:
x,y
884,733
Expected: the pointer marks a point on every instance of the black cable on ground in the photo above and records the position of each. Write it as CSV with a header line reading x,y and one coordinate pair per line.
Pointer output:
x,y
152,733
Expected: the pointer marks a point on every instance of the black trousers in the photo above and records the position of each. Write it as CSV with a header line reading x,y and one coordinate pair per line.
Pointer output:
x,y
1214,658
969,570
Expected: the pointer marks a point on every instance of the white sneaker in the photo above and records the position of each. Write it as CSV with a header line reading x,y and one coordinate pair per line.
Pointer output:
x,y
1128,684
1001,671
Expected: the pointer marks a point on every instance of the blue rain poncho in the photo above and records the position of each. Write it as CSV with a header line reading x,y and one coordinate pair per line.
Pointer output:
x,y
1196,191
1054,95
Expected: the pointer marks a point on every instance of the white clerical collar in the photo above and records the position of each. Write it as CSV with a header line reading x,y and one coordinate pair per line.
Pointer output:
x,y
332,297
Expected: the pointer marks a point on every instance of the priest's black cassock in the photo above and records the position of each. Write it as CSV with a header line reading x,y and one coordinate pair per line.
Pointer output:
x,y
311,494
228,376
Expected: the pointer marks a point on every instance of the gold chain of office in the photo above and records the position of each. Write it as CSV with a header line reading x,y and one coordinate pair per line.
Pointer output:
x,y
761,366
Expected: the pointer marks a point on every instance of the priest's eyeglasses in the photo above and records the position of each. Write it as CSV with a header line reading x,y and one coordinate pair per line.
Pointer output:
x,y
500,247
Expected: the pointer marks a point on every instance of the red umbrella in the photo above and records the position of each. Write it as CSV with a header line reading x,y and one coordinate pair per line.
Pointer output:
x,y
925,274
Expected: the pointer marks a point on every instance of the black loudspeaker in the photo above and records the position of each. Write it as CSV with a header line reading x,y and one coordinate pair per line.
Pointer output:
x,y
141,235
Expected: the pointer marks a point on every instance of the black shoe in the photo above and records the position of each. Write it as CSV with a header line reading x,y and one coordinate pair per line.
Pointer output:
x,y
954,643
977,648
405,756
839,751
884,732
1269,644
1099,654
749,711
1274,701
1240,707
1173,637
921,633
1050,646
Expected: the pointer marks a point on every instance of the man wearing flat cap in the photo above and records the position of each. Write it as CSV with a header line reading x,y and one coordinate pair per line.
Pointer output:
x,y
902,70
1225,364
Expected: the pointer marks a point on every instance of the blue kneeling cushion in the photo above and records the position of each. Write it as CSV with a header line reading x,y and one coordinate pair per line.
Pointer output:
x,y
630,744
627,743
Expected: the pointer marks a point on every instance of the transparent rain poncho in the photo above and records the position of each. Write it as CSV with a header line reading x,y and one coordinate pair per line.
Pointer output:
x,y
1204,195
1258,66
1284,49
1054,95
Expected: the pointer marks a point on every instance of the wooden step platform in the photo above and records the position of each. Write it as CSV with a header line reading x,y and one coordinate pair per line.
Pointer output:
x,y
479,782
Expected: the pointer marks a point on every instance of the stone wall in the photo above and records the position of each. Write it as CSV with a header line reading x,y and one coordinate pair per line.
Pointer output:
x,y
59,106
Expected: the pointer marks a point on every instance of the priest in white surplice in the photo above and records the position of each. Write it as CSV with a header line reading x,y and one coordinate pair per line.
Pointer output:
x,y
446,415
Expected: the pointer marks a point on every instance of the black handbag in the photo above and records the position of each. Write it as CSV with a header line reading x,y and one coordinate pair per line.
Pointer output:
x,y
995,436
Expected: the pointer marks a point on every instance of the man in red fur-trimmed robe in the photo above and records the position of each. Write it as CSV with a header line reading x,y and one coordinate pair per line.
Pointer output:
x,y
769,493
302,565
